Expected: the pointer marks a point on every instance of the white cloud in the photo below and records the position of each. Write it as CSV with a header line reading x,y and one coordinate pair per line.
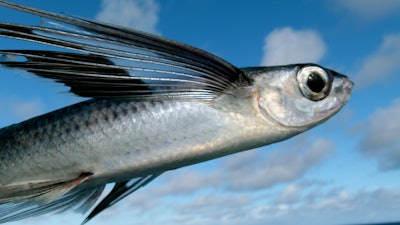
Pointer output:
x,y
337,205
285,46
214,207
381,140
382,64
243,171
194,181
137,14
370,9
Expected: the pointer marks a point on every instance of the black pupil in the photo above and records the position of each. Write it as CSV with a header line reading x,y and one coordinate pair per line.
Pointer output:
x,y
315,82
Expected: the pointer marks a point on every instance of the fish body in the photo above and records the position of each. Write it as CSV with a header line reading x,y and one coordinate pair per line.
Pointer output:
x,y
123,139
156,105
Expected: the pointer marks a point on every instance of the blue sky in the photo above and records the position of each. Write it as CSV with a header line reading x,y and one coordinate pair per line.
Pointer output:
x,y
345,171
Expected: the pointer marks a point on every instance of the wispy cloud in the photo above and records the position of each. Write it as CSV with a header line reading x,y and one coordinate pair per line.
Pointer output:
x,y
290,194
381,140
297,204
26,109
333,204
382,64
370,9
137,14
15,109
285,45
244,171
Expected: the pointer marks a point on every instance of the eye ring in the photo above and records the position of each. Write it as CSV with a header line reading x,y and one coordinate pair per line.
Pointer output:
x,y
314,82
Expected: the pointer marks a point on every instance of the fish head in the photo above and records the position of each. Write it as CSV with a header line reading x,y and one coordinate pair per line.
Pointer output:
x,y
300,95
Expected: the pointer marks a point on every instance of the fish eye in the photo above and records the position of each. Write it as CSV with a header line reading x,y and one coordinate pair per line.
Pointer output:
x,y
314,82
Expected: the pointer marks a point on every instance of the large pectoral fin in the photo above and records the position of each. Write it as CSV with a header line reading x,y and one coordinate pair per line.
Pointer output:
x,y
100,60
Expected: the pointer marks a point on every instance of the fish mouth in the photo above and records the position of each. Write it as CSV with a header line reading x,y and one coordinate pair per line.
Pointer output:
x,y
344,89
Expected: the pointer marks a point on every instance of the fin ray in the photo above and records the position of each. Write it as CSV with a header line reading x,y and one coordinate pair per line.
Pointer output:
x,y
21,201
120,191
